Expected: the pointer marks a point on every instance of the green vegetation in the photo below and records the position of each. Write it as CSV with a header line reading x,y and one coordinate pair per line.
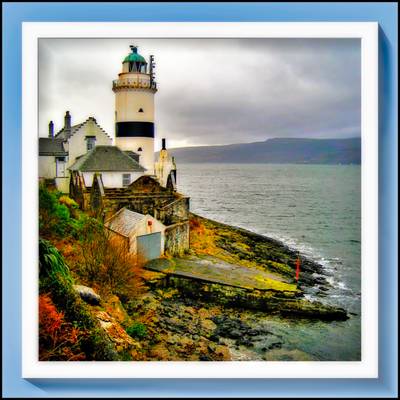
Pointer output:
x,y
137,330
87,255
53,216
56,287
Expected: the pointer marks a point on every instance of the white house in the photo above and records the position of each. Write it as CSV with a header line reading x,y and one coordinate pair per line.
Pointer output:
x,y
60,151
144,234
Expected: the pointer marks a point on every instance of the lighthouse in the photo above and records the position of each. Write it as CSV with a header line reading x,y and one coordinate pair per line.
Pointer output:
x,y
134,108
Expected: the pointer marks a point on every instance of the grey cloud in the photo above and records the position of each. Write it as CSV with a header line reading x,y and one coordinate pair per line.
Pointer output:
x,y
214,91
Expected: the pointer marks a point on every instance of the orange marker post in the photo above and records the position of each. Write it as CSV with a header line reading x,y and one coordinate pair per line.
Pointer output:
x,y
297,268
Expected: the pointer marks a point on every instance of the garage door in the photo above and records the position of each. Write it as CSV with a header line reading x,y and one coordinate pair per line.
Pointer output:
x,y
149,246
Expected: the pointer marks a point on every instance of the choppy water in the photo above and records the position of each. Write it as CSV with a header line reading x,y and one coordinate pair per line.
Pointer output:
x,y
313,208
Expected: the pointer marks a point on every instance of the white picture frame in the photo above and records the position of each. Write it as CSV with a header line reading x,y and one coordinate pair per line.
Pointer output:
x,y
367,32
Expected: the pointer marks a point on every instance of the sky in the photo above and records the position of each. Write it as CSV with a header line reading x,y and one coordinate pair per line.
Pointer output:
x,y
212,91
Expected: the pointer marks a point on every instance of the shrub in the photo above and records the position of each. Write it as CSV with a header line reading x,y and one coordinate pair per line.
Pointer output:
x,y
55,278
54,217
67,201
105,261
58,340
137,330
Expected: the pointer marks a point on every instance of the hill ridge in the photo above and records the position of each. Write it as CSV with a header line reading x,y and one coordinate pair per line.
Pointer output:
x,y
276,151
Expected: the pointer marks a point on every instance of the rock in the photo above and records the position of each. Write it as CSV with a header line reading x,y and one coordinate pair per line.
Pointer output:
x,y
190,310
160,352
277,345
213,337
211,346
244,342
204,313
223,353
87,294
115,308
208,325
116,333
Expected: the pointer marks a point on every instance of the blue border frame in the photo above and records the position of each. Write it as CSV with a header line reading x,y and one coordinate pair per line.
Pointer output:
x,y
385,14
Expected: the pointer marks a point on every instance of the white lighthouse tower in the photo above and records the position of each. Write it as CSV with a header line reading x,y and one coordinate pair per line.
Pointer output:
x,y
134,108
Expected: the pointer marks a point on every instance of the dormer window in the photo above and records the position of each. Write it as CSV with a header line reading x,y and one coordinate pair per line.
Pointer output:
x,y
90,142
140,110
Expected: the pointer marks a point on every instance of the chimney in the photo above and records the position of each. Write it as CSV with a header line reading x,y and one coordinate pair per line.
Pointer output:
x,y
163,147
51,130
67,121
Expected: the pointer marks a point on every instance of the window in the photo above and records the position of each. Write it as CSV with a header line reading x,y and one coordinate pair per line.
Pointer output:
x,y
60,167
90,142
126,179
139,149
140,110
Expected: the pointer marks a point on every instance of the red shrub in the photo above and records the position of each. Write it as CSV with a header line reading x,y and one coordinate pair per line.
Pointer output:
x,y
58,339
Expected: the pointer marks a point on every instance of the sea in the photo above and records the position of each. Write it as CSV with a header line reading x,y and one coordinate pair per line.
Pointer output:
x,y
315,209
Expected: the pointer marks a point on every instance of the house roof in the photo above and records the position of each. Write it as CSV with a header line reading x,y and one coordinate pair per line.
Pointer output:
x,y
66,134
106,158
51,147
132,155
124,221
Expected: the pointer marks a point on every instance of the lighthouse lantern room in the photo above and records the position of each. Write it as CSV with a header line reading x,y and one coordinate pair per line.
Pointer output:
x,y
134,108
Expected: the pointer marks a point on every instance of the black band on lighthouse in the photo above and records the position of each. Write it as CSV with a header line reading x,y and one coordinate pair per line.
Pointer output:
x,y
134,129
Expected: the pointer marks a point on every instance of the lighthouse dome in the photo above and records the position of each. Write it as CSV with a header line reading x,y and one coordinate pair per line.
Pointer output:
x,y
134,56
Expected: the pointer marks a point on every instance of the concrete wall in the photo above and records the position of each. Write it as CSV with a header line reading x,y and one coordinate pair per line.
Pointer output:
x,y
177,238
110,179
47,167
175,211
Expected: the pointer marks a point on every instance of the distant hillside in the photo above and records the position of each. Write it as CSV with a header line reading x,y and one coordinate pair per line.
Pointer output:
x,y
276,151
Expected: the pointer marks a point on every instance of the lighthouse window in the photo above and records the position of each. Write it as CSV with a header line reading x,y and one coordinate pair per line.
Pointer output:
x,y
140,110
126,179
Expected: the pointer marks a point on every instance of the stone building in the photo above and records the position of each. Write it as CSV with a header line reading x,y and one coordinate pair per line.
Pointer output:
x,y
145,196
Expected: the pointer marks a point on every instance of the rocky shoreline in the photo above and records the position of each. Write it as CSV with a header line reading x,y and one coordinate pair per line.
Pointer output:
x,y
268,253
187,318
199,320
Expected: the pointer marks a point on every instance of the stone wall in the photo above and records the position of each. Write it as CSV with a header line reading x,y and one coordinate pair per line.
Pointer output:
x,y
97,195
175,211
177,238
